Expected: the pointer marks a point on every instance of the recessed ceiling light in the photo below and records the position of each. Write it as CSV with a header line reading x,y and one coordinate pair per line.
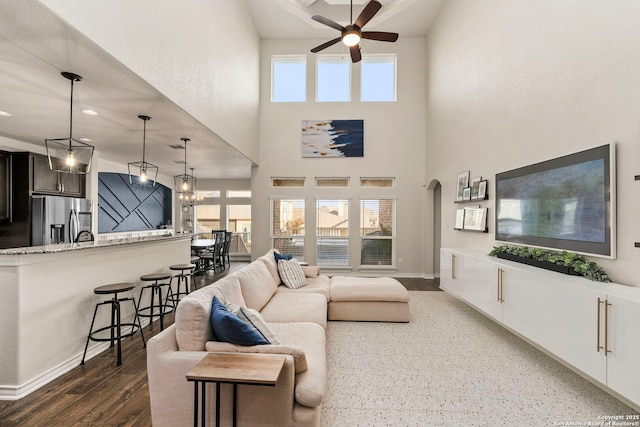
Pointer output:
x,y
90,112
4,113
85,139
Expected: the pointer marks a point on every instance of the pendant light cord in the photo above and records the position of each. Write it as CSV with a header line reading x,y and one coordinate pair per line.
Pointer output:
x,y
144,139
71,117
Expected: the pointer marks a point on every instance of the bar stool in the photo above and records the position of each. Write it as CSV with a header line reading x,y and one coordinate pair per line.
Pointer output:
x,y
195,259
116,324
156,289
183,279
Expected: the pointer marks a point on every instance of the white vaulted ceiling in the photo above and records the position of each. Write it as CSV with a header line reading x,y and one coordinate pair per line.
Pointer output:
x,y
35,45
283,19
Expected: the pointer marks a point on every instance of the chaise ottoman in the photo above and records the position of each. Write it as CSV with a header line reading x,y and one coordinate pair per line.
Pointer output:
x,y
381,299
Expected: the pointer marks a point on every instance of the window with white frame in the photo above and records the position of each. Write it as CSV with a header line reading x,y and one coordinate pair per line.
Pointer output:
x,y
377,182
287,182
240,194
289,78
377,231
287,226
333,78
239,222
332,182
208,218
332,232
378,78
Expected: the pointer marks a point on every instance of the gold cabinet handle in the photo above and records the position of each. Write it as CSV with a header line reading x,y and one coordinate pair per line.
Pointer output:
x,y
453,266
606,327
500,299
599,347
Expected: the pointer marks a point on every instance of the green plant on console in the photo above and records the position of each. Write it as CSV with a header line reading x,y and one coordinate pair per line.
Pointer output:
x,y
589,269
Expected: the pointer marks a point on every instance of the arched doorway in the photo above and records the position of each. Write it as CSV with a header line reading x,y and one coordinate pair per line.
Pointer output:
x,y
434,195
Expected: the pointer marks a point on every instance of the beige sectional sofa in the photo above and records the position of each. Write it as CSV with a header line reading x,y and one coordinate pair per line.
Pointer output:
x,y
297,317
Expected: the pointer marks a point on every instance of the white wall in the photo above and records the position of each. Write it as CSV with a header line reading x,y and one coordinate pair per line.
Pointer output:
x,y
394,138
203,55
511,83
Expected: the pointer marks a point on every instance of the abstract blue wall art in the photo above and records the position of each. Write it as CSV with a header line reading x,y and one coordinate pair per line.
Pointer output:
x,y
126,207
332,138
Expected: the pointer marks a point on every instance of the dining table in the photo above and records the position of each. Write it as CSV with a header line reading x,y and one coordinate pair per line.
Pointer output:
x,y
200,244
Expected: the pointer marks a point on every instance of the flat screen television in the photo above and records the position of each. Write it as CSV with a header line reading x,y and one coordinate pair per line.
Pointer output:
x,y
566,203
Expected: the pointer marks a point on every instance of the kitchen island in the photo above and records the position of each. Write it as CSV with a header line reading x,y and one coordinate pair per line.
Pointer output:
x,y
47,301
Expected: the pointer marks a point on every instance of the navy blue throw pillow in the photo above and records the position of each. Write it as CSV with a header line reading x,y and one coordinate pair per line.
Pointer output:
x,y
229,328
279,256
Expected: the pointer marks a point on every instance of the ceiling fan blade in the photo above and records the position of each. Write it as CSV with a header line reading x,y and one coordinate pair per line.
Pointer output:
x,y
367,13
325,45
380,36
355,53
328,22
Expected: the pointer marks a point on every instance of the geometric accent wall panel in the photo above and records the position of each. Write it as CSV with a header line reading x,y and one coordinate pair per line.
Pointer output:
x,y
126,207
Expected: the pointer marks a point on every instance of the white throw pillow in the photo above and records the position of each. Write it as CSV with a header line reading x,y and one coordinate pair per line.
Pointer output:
x,y
291,273
253,318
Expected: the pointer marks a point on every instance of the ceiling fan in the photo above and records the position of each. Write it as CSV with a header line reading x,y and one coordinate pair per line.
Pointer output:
x,y
352,33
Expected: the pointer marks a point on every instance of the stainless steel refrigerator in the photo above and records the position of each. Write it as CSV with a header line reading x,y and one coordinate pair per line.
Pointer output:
x,y
58,219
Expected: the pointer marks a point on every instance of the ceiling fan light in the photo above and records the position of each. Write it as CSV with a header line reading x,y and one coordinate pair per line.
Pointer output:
x,y
351,38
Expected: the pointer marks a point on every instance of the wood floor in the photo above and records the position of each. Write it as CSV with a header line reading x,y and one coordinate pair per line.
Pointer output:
x,y
415,284
103,394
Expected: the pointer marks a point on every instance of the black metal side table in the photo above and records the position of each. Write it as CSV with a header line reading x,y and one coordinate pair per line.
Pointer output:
x,y
231,368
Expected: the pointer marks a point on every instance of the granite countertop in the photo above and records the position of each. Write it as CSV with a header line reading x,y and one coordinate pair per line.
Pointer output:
x,y
64,247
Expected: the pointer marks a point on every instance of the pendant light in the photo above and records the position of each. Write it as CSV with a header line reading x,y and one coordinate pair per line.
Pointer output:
x,y
145,170
195,199
69,155
185,184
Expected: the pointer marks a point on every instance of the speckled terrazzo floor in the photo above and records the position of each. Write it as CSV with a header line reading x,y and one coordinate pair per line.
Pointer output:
x,y
451,366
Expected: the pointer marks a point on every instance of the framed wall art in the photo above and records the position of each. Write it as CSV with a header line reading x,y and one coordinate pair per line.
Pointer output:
x,y
466,194
475,182
475,219
482,190
459,225
462,183
332,138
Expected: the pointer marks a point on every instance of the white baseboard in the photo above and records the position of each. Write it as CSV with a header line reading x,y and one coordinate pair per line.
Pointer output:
x,y
17,392
11,392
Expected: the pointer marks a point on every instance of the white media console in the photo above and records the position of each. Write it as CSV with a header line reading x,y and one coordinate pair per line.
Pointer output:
x,y
591,327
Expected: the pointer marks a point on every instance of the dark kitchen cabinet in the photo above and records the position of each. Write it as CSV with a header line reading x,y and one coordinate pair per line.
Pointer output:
x,y
28,174
5,186
46,181
15,232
